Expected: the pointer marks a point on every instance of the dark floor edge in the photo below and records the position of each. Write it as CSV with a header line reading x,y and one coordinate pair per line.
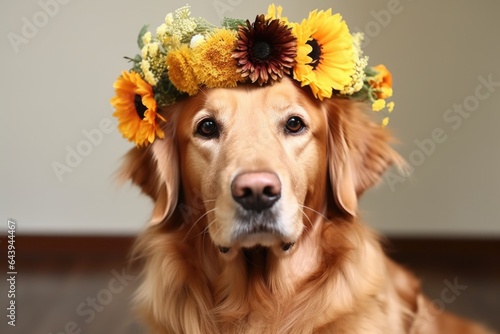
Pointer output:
x,y
115,245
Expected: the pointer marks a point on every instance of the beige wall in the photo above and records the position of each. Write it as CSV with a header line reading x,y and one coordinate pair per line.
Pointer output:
x,y
57,80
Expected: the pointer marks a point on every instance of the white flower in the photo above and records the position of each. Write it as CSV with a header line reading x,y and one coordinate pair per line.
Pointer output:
x,y
150,50
178,25
153,49
161,31
183,12
169,19
147,73
144,51
196,40
150,78
361,62
146,38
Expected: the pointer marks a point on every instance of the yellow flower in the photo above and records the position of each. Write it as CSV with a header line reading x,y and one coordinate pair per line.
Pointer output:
x,y
135,108
212,60
181,70
301,70
384,92
330,62
274,12
390,106
385,121
378,105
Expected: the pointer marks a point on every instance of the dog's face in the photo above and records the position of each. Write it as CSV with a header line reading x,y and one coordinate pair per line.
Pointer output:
x,y
256,158
256,165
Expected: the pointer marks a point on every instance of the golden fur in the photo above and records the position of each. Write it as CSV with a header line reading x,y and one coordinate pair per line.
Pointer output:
x,y
335,279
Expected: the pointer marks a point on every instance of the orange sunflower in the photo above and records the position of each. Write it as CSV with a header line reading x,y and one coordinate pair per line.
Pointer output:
x,y
136,109
382,82
325,57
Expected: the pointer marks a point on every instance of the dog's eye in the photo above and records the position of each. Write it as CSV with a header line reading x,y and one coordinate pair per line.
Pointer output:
x,y
207,128
294,125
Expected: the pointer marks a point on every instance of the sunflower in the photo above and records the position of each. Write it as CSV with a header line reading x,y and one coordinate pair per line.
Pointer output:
x,y
330,61
265,50
301,70
136,109
212,62
274,12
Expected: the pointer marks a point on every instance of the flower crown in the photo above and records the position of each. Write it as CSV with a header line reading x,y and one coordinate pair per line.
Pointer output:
x,y
189,53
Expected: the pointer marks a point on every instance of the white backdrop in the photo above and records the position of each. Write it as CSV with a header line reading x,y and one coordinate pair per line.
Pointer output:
x,y
60,58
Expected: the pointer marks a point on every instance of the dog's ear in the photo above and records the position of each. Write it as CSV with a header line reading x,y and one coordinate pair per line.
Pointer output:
x,y
358,151
155,170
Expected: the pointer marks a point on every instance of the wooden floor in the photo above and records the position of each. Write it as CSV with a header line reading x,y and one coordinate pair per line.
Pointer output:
x,y
60,289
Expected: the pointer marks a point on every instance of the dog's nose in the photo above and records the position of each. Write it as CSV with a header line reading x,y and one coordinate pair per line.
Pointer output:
x,y
256,191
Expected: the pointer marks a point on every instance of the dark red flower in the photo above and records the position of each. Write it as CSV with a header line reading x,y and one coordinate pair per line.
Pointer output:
x,y
265,50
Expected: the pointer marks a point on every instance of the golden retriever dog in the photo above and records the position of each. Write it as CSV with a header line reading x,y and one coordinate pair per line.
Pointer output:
x,y
255,227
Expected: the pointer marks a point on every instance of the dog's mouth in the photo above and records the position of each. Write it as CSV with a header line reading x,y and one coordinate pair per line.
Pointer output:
x,y
284,247
258,230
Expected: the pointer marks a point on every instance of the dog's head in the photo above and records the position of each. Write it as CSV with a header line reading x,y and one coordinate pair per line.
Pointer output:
x,y
258,165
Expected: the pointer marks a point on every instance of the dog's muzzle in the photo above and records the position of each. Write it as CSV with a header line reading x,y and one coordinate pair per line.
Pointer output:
x,y
256,216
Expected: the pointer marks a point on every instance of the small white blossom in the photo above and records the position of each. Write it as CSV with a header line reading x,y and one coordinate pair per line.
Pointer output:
x,y
150,50
178,25
144,51
196,40
153,49
183,12
361,62
161,30
169,19
146,71
146,38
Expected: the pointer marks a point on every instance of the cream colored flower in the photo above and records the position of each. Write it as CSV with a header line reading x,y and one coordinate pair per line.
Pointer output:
x,y
146,38
358,77
147,74
153,63
196,40
169,19
178,28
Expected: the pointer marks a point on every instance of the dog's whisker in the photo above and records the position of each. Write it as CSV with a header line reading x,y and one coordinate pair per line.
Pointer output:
x,y
194,224
308,219
315,211
205,230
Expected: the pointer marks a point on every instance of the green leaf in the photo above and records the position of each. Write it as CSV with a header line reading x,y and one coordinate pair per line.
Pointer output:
x,y
232,24
143,31
370,71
